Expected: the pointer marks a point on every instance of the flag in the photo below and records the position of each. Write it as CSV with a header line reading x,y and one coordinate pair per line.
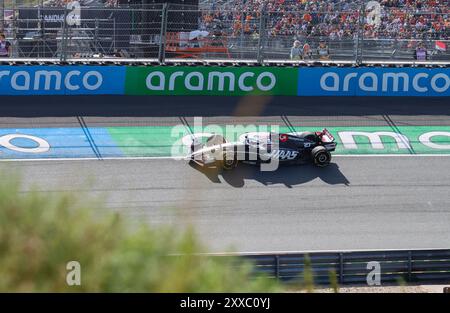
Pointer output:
x,y
439,45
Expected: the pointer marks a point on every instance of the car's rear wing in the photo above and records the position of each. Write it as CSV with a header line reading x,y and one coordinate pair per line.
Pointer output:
x,y
327,134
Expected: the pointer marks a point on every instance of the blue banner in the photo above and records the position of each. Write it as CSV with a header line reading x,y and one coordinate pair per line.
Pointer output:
x,y
331,81
313,81
62,80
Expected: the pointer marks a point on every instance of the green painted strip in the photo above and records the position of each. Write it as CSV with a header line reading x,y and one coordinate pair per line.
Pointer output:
x,y
144,141
166,141
392,145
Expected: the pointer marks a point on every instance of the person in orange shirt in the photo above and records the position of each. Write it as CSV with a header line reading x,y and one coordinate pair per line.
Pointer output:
x,y
307,17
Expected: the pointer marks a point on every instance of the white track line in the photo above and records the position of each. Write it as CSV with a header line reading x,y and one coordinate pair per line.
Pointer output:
x,y
182,158
91,159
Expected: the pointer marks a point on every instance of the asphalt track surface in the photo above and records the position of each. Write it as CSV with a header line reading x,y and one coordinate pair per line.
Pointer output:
x,y
368,202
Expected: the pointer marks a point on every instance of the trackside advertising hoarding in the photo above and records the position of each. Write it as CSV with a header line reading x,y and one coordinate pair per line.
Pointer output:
x,y
209,80
223,81
62,80
319,81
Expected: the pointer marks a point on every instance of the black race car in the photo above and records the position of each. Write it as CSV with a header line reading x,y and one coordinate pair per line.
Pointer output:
x,y
264,147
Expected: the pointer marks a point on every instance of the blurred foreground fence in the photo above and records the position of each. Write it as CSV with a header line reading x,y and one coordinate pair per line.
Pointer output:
x,y
169,31
353,267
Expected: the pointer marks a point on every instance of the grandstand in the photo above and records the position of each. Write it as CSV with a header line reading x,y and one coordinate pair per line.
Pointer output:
x,y
245,29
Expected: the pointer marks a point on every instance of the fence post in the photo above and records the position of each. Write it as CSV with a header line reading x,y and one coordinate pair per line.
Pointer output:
x,y
262,30
409,266
241,36
162,35
63,55
341,268
41,31
2,16
277,269
96,40
360,36
15,26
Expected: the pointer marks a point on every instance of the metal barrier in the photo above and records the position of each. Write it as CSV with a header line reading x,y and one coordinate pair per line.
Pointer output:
x,y
351,267
252,31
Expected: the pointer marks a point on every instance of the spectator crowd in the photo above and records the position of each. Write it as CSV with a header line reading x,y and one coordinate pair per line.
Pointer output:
x,y
315,23
308,26
330,19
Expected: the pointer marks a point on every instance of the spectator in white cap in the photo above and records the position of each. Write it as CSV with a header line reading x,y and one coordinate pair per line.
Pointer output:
x,y
307,52
297,51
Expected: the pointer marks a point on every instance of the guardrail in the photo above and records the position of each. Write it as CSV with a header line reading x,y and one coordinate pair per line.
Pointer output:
x,y
219,62
352,267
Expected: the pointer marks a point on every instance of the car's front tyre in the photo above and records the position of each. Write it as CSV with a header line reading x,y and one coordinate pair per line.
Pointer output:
x,y
321,156
229,161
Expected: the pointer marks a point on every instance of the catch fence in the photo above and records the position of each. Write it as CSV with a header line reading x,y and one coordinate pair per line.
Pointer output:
x,y
352,34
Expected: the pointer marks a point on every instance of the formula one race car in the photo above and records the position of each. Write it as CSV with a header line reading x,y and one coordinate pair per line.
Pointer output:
x,y
264,147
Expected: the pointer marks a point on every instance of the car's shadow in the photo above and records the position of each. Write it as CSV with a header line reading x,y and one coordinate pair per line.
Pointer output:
x,y
290,175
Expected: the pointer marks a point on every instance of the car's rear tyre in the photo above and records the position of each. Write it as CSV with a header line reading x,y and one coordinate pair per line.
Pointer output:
x,y
229,161
321,156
